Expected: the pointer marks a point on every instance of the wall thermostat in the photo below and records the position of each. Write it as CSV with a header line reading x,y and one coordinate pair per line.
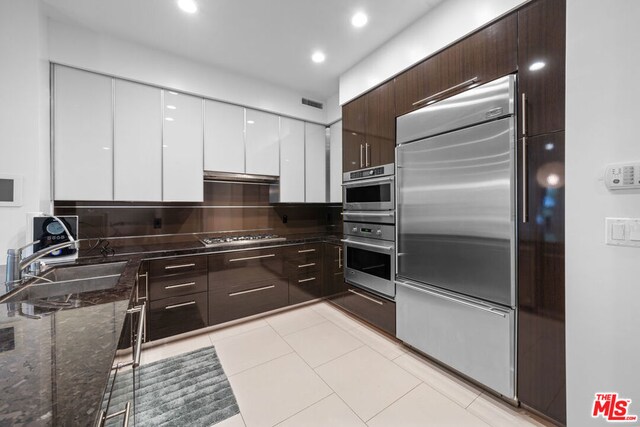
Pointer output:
x,y
624,176
10,190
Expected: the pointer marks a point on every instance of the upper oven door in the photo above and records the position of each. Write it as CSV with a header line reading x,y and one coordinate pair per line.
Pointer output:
x,y
370,264
369,194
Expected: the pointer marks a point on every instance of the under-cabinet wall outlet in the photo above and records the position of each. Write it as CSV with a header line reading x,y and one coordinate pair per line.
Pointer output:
x,y
622,232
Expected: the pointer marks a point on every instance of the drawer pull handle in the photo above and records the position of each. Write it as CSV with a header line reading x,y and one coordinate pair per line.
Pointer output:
x,y
307,280
304,251
174,267
182,285
264,288
184,304
365,297
442,92
252,257
307,265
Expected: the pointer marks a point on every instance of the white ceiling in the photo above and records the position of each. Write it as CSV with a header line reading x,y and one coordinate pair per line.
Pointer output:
x,y
267,39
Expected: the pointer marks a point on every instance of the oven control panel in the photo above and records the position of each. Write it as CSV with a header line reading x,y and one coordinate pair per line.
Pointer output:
x,y
371,231
384,170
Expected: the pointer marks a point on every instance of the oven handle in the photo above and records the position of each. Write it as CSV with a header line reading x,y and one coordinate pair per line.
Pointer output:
x,y
368,181
367,245
374,214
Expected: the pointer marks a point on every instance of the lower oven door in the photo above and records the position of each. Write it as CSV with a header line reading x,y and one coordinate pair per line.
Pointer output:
x,y
370,264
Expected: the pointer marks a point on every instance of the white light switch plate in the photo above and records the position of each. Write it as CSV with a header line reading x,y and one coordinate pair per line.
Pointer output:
x,y
622,232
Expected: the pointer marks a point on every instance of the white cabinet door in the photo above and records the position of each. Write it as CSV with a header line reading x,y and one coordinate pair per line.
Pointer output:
x,y
137,150
291,161
335,163
262,143
83,135
223,137
182,157
315,163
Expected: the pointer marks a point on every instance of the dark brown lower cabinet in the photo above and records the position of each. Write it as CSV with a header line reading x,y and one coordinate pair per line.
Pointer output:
x,y
378,311
333,271
245,283
304,266
541,282
176,315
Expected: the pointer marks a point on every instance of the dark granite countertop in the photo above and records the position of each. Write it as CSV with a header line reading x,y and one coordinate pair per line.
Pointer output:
x,y
54,363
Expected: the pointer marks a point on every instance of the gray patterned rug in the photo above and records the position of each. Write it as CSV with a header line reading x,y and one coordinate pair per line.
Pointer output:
x,y
190,389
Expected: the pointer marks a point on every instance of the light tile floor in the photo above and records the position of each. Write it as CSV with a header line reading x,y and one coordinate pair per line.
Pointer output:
x,y
317,366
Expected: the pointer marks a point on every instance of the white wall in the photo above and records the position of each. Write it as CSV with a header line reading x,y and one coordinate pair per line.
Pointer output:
x,y
444,24
333,109
83,48
603,282
24,112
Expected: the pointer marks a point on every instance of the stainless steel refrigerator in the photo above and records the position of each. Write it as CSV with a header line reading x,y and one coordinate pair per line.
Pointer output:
x,y
456,231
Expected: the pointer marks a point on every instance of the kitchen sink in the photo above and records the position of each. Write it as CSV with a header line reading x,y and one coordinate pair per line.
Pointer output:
x,y
61,281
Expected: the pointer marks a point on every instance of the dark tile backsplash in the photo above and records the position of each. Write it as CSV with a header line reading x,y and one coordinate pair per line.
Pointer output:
x,y
227,207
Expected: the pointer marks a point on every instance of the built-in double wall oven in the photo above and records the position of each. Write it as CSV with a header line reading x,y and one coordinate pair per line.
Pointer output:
x,y
369,229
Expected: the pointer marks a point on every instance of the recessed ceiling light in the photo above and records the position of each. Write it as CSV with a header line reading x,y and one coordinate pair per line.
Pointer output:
x,y
318,57
173,93
359,20
537,66
250,122
169,119
188,6
171,107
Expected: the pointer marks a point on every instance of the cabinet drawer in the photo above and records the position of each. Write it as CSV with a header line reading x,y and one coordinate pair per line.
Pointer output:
x,y
177,285
164,267
305,286
245,267
378,311
175,315
304,253
230,301
484,56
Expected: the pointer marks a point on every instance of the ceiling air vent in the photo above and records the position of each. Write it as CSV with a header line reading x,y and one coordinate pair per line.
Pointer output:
x,y
311,103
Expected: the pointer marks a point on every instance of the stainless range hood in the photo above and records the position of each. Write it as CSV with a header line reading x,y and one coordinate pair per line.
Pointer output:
x,y
240,177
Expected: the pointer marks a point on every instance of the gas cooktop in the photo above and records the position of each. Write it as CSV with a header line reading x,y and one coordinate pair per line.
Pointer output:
x,y
240,240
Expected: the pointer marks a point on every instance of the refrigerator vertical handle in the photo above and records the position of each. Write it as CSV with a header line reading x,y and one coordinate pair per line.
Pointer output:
x,y
525,195
524,114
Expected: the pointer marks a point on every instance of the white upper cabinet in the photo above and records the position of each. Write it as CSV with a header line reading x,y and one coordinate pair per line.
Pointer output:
x,y
137,142
316,163
262,143
223,137
292,163
335,163
83,135
182,159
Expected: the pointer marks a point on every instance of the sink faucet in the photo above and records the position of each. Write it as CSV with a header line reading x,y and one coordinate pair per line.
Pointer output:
x,y
16,264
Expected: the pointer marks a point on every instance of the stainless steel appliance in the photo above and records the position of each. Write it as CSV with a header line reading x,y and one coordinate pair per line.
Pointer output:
x,y
370,189
369,257
211,242
456,232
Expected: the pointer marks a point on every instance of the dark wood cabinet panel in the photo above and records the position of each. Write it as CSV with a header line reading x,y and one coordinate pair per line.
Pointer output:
x,y
541,277
541,65
230,300
304,265
485,55
377,311
245,267
369,129
380,131
305,287
353,134
177,265
177,285
172,316
334,283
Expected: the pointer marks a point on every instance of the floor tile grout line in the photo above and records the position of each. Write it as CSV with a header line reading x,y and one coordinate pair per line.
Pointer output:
x,y
300,330
305,408
240,333
263,363
337,357
390,404
471,403
331,388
